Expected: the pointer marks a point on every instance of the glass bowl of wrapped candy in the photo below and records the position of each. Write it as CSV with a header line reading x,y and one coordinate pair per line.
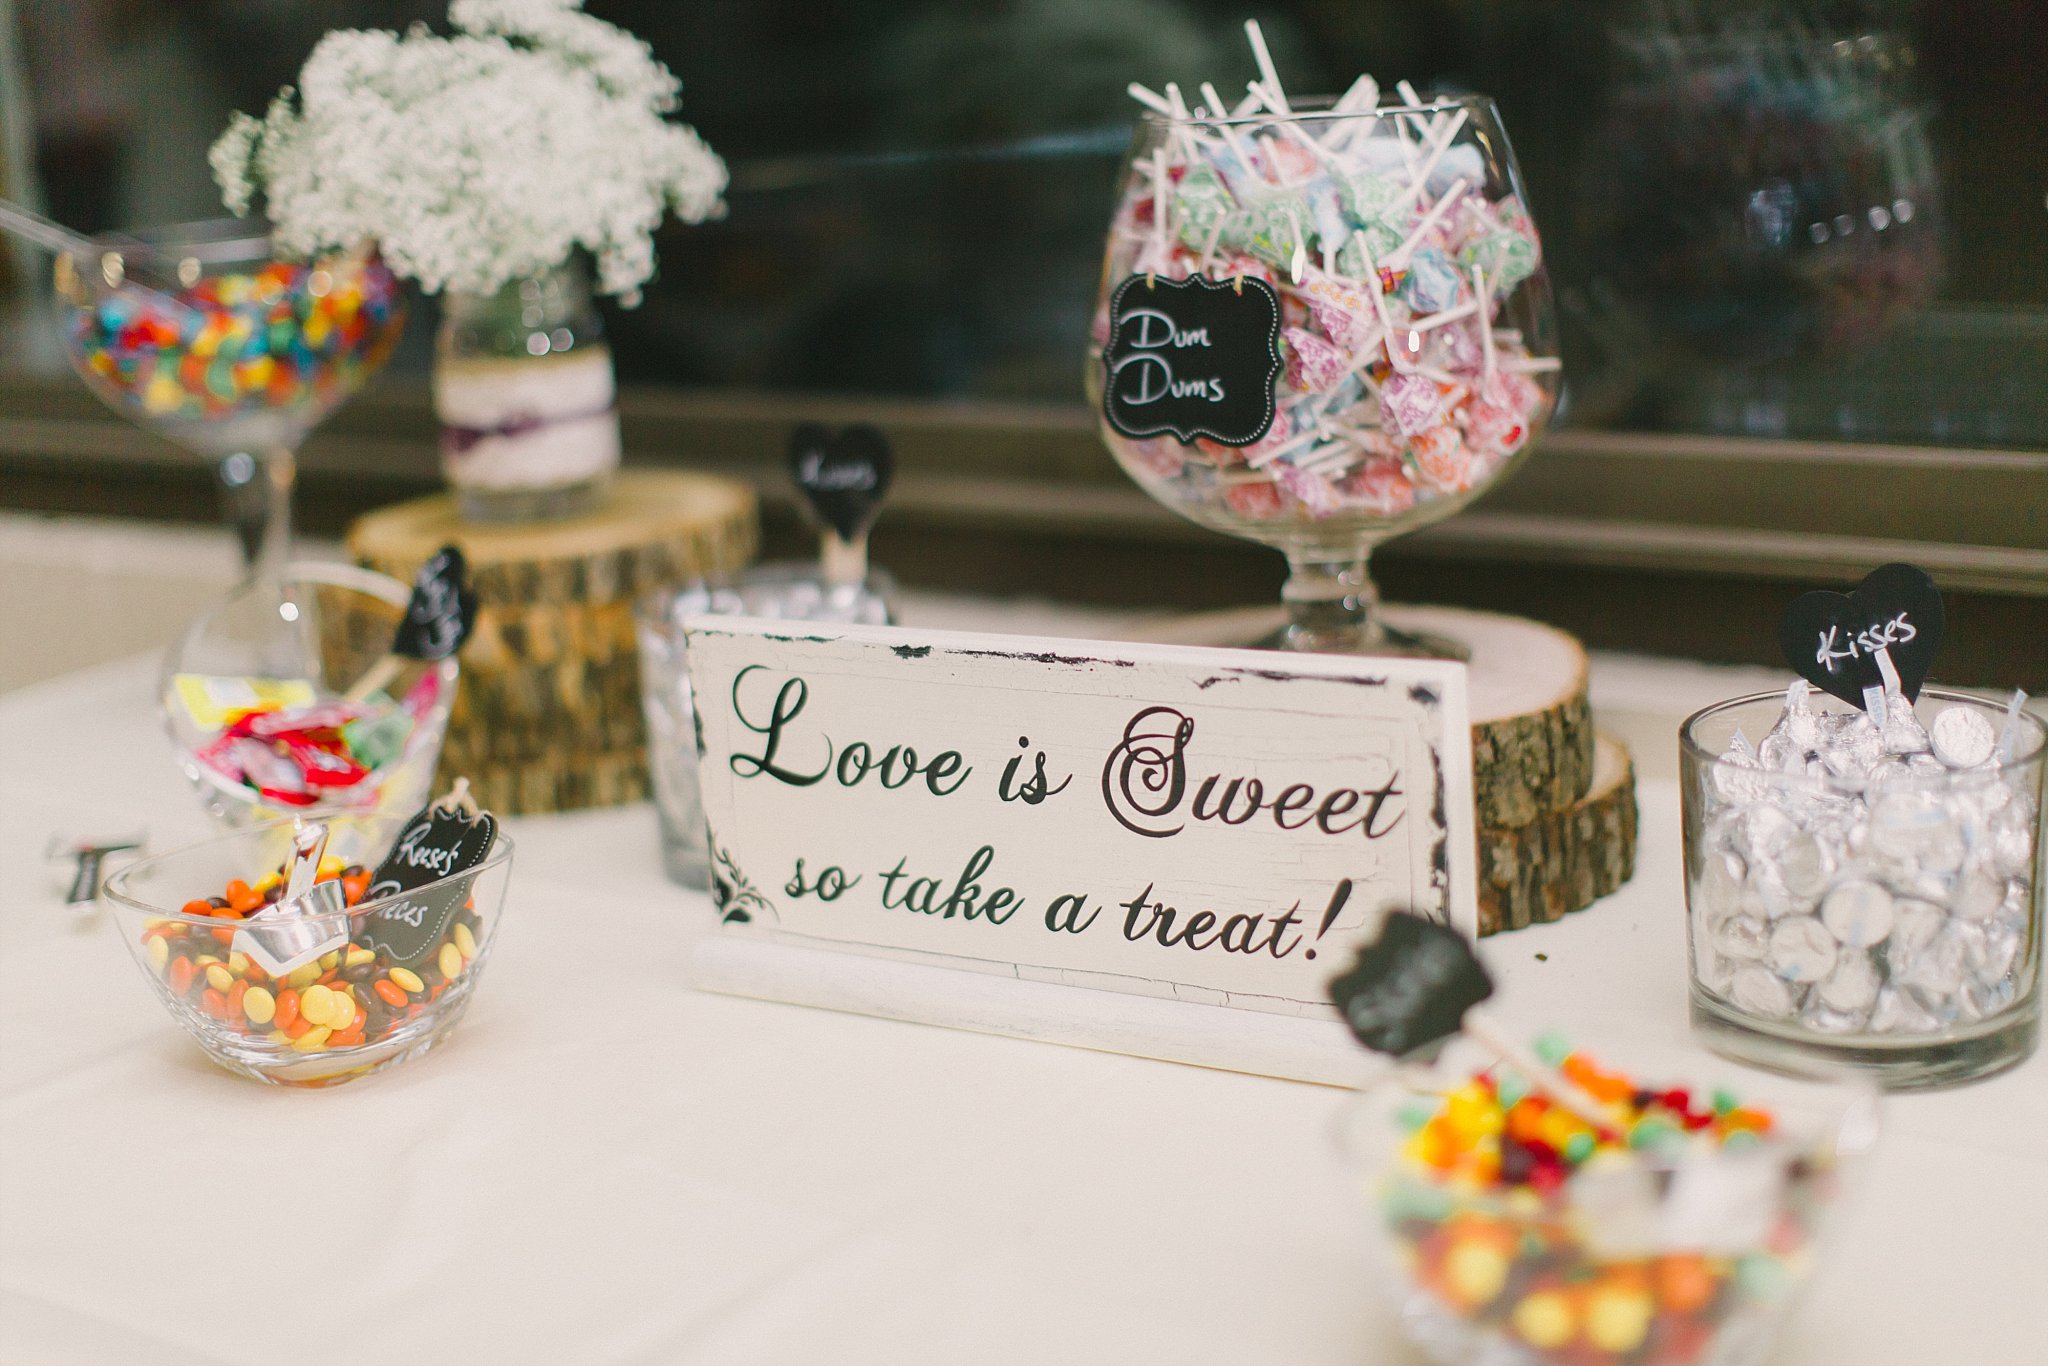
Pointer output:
x,y
264,698
1866,890
383,978
1322,324
1678,1229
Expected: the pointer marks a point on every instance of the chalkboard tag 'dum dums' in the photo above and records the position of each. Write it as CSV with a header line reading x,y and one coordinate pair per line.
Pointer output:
x,y
844,476
1833,639
1193,357
438,617
423,872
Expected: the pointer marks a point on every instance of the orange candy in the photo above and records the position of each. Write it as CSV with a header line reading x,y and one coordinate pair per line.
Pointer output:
x,y
181,975
288,1010
1685,1285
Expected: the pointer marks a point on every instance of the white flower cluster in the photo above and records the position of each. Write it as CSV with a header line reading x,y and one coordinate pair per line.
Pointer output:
x,y
479,158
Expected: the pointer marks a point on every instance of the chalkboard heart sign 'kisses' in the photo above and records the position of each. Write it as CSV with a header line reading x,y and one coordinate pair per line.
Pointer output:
x,y
421,876
1411,987
1194,357
1833,639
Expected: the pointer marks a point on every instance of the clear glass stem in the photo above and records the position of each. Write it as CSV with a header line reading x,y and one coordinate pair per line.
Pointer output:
x,y
1330,603
1333,608
257,492
279,471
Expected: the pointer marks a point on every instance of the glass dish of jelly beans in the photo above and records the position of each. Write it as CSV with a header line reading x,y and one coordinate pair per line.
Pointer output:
x,y
358,1007
1678,1231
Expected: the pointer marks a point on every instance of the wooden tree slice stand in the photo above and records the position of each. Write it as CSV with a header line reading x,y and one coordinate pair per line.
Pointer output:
x,y
547,717
1556,812
1563,860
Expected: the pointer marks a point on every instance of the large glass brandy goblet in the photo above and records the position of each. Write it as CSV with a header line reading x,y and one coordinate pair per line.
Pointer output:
x,y
1323,329
200,333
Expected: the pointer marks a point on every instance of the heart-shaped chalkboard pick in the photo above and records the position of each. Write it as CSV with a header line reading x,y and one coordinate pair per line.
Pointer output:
x,y
1411,987
1832,639
844,475
438,617
421,877
441,610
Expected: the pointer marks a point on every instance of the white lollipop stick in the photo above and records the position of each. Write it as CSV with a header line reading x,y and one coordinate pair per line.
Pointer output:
x,y
1399,256
1265,61
1151,99
1484,301
1422,173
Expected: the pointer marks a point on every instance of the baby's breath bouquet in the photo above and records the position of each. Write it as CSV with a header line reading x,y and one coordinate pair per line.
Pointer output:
x,y
478,158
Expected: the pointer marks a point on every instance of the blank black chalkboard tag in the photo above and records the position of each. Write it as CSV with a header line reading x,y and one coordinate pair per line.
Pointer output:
x,y
1411,987
844,475
422,871
440,612
1194,357
1832,639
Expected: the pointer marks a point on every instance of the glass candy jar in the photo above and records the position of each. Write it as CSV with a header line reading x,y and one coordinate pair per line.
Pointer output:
x,y
526,397
1852,898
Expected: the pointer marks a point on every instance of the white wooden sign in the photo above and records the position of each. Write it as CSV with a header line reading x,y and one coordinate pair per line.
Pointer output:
x,y
1148,849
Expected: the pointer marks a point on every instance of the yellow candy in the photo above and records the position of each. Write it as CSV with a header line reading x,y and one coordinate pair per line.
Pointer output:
x,y
408,980
1472,1113
464,940
303,977
1618,1318
159,954
219,978
206,960
1474,1272
1545,1320
315,1004
450,962
331,866
329,961
312,1041
357,956
259,1005
162,394
238,964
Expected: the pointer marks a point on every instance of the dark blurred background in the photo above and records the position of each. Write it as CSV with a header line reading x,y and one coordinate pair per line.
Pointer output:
x,y
1764,219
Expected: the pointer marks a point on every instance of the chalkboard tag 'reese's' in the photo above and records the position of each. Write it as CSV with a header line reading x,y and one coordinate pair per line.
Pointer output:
x,y
1832,639
1193,357
422,874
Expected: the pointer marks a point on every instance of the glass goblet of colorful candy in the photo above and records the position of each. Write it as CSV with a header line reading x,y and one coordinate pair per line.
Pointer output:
x,y
201,333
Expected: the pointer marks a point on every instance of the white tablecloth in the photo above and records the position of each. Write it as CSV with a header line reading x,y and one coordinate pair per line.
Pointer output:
x,y
605,1167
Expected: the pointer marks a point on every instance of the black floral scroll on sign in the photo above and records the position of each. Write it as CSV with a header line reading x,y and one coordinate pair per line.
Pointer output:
x,y
1193,357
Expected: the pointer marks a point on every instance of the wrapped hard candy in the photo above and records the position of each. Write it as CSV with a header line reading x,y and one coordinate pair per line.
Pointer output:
x,y
1433,284
1411,404
1314,366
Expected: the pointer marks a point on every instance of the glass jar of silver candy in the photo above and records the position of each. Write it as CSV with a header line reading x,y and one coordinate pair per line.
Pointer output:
x,y
1866,890
789,592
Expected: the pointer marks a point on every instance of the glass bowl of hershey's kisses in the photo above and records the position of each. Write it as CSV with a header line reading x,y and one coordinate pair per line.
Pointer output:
x,y
1868,891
